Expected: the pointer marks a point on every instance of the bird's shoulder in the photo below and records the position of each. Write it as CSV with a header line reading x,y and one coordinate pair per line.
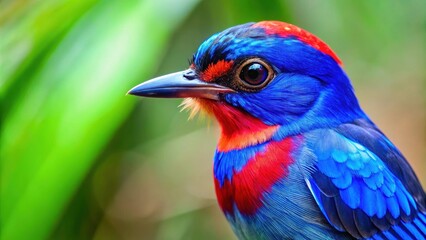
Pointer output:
x,y
360,181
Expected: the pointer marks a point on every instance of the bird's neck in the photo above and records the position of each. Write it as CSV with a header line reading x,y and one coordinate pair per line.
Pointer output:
x,y
248,161
238,128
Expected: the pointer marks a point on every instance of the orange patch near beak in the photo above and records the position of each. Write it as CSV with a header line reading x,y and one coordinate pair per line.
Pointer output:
x,y
216,70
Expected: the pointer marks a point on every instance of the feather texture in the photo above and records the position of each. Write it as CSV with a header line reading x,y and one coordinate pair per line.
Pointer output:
x,y
368,196
297,157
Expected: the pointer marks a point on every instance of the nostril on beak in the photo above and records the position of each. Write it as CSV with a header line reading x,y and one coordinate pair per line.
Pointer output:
x,y
190,74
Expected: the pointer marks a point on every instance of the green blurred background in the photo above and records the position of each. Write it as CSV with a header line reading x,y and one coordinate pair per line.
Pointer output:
x,y
81,160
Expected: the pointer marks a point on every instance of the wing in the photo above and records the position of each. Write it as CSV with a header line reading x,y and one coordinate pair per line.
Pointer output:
x,y
362,183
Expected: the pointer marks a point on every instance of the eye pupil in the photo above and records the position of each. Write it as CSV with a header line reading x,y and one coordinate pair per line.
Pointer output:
x,y
254,73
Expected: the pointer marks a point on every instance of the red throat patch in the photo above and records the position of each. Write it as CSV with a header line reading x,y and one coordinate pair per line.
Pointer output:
x,y
238,129
285,29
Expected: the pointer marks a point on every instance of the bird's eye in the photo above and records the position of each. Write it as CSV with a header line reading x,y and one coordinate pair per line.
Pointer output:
x,y
255,73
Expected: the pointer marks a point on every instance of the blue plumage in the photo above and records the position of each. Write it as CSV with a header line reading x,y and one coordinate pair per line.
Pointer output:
x,y
361,183
355,178
297,157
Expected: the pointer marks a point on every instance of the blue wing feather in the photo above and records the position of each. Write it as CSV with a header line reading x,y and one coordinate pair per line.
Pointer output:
x,y
368,135
364,185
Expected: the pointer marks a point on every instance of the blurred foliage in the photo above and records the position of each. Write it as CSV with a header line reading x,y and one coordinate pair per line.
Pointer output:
x,y
80,160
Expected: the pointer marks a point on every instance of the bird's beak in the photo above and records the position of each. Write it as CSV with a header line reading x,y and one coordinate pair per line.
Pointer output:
x,y
179,85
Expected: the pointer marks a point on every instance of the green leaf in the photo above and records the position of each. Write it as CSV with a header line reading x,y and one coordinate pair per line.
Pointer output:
x,y
72,100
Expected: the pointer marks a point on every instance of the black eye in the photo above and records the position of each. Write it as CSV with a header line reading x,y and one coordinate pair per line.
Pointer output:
x,y
255,73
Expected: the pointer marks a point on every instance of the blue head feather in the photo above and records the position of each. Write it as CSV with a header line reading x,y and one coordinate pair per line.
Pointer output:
x,y
309,90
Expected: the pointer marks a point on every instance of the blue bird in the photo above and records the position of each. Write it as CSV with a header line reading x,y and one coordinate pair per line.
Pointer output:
x,y
297,157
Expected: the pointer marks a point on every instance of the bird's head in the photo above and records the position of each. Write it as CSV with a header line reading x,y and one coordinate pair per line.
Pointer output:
x,y
262,79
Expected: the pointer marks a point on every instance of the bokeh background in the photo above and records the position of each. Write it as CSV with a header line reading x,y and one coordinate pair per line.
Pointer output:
x,y
81,160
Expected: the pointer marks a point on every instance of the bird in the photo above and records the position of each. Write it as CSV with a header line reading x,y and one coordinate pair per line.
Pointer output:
x,y
297,157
